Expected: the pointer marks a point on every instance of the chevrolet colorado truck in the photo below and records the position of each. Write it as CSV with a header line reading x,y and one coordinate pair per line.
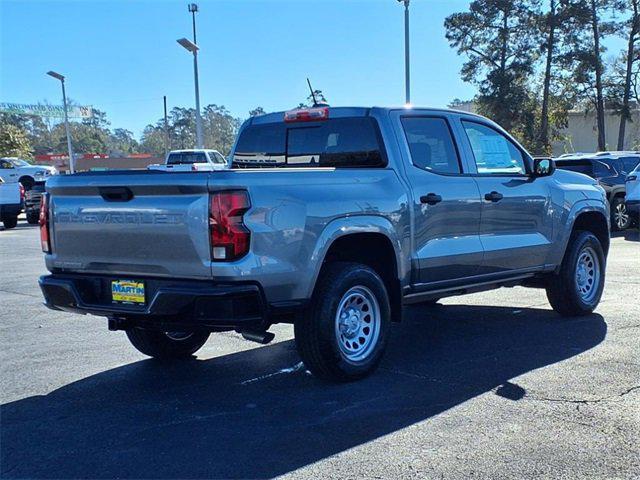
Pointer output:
x,y
331,219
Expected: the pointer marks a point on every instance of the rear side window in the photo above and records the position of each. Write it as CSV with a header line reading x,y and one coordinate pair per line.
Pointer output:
x,y
182,158
261,145
340,142
494,153
601,169
431,144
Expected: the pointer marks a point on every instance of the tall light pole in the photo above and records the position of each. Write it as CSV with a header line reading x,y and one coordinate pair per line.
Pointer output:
x,y
66,119
407,75
193,48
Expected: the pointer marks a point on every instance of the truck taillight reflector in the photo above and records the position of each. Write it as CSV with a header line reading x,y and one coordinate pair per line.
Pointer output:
x,y
43,221
307,114
230,238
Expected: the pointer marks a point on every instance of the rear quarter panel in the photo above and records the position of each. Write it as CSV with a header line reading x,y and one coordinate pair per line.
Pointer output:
x,y
297,213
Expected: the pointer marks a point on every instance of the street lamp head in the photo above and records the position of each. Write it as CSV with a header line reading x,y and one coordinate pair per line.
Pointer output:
x,y
188,44
406,2
193,7
53,74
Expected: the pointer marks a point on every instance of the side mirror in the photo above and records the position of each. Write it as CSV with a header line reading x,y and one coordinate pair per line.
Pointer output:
x,y
543,167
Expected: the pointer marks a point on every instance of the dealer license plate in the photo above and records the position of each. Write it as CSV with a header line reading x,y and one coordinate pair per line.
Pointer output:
x,y
127,291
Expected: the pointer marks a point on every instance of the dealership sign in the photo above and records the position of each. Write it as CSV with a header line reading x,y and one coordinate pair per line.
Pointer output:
x,y
45,110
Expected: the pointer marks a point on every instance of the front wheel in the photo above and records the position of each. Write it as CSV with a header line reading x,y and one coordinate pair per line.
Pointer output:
x,y
620,218
166,345
577,288
343,334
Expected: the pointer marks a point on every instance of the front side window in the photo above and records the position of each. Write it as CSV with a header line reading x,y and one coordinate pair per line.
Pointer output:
x,y
493,152
630,163
218,158
431,144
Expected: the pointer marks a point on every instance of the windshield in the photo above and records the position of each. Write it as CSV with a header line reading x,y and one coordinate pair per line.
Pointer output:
x,y
19,163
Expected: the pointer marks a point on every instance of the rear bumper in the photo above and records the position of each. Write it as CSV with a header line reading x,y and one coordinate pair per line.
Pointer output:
x,y
191,304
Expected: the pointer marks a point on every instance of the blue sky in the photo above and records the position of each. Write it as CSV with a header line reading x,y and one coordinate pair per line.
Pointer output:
x,y
122,56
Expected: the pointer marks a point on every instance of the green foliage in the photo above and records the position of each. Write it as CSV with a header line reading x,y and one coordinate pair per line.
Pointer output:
x,y
14,141
499,39
121,142
219,130
256,111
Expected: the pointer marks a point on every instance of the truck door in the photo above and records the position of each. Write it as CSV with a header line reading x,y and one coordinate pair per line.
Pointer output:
x,y
445,202
517,215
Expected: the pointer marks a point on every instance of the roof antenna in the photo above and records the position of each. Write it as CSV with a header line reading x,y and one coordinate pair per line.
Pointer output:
x,y
313,95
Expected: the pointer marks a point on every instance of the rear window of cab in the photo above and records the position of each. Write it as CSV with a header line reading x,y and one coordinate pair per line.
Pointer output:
x,y
337,142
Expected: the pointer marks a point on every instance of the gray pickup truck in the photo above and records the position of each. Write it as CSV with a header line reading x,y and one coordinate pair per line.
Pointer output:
x,y
331,219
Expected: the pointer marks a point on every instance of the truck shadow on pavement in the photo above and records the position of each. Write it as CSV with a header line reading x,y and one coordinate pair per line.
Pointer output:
x,y
254,414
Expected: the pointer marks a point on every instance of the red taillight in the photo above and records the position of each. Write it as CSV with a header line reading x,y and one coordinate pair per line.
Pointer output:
x,y
21,193
307,114
229,236
43,221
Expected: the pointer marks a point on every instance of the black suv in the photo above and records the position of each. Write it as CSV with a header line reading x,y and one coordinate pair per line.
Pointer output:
x,y
610,169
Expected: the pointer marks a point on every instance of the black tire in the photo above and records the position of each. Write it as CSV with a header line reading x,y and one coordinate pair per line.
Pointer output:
x,y
10,222
319,339
620,217
563,290
33,217
160,344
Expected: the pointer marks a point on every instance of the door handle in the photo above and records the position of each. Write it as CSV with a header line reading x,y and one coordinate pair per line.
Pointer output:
x,y
430,199
493,196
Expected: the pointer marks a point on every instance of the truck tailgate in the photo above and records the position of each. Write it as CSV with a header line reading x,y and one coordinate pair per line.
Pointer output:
x,y
130,223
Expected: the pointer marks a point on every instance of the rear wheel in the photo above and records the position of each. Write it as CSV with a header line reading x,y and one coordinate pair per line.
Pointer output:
x,y
577,288
620,218
343,334
10,222
166,345
33,217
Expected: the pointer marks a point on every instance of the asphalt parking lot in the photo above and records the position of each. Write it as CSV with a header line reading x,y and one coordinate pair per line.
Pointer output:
x,y
489,385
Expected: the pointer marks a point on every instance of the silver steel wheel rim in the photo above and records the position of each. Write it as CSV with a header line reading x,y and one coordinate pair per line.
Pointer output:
x,y
587,274
621,216
357,323
178,336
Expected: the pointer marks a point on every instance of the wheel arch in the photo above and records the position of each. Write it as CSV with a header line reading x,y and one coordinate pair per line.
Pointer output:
x,y
369,240
26,177
589,216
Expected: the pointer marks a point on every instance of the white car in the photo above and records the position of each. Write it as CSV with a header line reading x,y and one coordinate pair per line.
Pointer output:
x,y
14,169
193,160
11,202
632,198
